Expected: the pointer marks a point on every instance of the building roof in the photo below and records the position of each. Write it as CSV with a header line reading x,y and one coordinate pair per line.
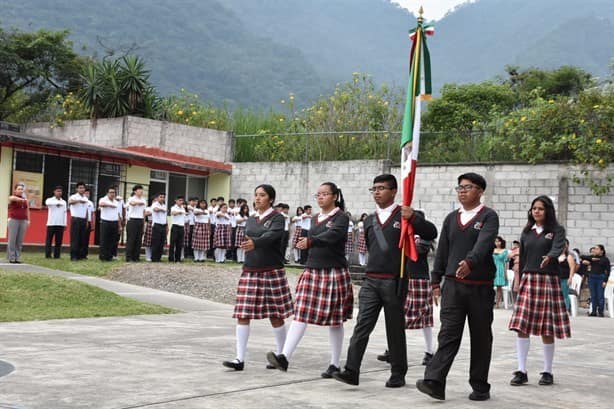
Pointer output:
x,y
154,158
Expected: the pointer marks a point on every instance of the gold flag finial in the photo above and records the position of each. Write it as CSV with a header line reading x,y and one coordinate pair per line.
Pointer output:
x,y
420,13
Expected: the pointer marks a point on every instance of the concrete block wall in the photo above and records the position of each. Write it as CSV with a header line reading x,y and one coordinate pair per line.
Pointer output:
x,y
108,132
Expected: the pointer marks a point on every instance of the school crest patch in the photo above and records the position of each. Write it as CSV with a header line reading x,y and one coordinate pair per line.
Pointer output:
x,y
396,225
330,224
478,225
549,236
267,224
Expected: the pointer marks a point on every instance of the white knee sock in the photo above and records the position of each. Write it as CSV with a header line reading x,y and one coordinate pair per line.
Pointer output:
x,y
427,332
148,253
522,349
242,337
335,337
297,255
548,357
295,333
362,259
240,255
280,338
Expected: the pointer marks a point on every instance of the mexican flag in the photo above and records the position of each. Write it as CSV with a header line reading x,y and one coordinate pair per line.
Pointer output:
x,y
418,89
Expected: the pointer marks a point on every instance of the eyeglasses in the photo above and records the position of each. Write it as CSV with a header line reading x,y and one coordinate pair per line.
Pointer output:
x,y
379,189
465,188
321,194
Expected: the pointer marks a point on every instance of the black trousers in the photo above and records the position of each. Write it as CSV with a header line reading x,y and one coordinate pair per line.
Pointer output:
x,y
85,246
158,237
54,233
375,294
108,240
459,301
211,248
134,239
285,239
177,237
78,238
304,253
231,253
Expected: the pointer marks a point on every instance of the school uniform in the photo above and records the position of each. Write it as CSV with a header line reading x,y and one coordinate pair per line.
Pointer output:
x,y
200,238
540,308
79,217
298,224
177,233
286,237
231,252
419,300
362,244
110,217
349,242
240,237
222,239
158,230
188,245
134,227
147,233
212,212
305,227
56,223
470,236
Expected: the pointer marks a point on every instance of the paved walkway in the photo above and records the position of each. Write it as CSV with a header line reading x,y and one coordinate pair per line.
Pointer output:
x,y
174,361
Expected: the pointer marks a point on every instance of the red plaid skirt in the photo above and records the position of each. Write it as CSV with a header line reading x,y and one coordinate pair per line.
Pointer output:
x,y
297,236
349,243
540,307
419,304
239,236
263,295
147,234
324,297
222,237
362,243
201,236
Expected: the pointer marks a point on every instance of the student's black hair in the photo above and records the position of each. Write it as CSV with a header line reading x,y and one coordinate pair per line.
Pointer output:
x,y
201,201
301,209
58,187
111,188
231,201
363,216
306,207
474,178
602,248
243,212
212,199
285,206
220,199
193,198
550,221
87,189
387,178
136,187
179,197
503,242
339,202
80,184
269,190
159,194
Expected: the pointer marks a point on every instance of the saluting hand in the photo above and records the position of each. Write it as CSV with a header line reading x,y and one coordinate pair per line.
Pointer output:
x,y
248,244
302,243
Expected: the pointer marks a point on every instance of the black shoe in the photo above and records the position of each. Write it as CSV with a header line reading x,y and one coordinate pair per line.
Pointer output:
x,y
601,314
269,366
347,376
520,378
592,314
20,262
546,379
278,361
330,371
385,357
234,364
479,396
427,358
432,388
12,261
395,381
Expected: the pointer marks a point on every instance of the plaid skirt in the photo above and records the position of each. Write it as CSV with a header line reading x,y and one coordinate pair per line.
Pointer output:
x,y
324,296
297,236
187,237
147,234
349,243
540,307
222,237
263,295
239,236
201,236
419,304
362,243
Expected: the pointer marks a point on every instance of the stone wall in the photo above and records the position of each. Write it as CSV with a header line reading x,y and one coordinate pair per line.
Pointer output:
x,y
589,219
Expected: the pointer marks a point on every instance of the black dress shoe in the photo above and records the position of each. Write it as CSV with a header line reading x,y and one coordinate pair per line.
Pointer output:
x,y
520,378
330,371
432,388
278,361
269,366
234,364
592,314
395,381
546,379
385,357
479,396
427,358
348,376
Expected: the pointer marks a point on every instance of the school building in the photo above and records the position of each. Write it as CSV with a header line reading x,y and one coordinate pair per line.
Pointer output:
x,y
163,157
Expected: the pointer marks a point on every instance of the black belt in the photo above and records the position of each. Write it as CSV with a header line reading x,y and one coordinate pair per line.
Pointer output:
x,y
109,221
78,218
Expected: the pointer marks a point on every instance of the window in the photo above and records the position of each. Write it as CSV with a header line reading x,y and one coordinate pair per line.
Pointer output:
x,y
57,169
197,187
29,161
83,171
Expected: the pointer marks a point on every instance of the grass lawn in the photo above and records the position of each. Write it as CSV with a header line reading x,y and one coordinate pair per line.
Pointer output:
x,y
91,267
30,296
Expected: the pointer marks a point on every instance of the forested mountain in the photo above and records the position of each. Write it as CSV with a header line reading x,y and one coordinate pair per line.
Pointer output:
x,y
254,52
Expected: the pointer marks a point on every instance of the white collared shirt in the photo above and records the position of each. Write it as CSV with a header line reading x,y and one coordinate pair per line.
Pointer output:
x,y
201,215
56,211
538,229
178,219
265,214
158,217
107,213
224,218
136,208
467,215
322,216
306,224
384,214
78,209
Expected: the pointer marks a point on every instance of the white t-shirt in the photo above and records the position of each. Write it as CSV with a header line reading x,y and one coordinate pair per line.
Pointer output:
x,y
108,213
158,217
179,218
136,208
219,219
56,211
306,225
466,215
78,209
384,214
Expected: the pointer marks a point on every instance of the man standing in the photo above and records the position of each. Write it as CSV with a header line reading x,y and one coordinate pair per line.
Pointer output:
x,y
159,227
598,268
382,286
178,218
464,257
110,224
78,203
56,222
134,226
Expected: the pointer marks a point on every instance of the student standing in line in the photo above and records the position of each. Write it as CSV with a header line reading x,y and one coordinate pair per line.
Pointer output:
x,y
305,227
18,221
540,308
464,257
241,220
56,222
190,224
134,226
283,209
222,239
159,227
362,245
233,210
178,219
324,294
147,233
78,204
263,290
89,225
298,225
349,244
110,223
213,209
200,241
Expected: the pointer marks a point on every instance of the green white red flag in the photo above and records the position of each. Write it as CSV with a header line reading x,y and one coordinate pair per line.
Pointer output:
x,y
418,89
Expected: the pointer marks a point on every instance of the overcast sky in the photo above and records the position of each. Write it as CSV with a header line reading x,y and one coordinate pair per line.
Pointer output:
x,y
433,9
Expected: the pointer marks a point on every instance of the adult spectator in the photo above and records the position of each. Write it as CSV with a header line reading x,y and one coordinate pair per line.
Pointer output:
x,y
598,268
56,222
18,221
